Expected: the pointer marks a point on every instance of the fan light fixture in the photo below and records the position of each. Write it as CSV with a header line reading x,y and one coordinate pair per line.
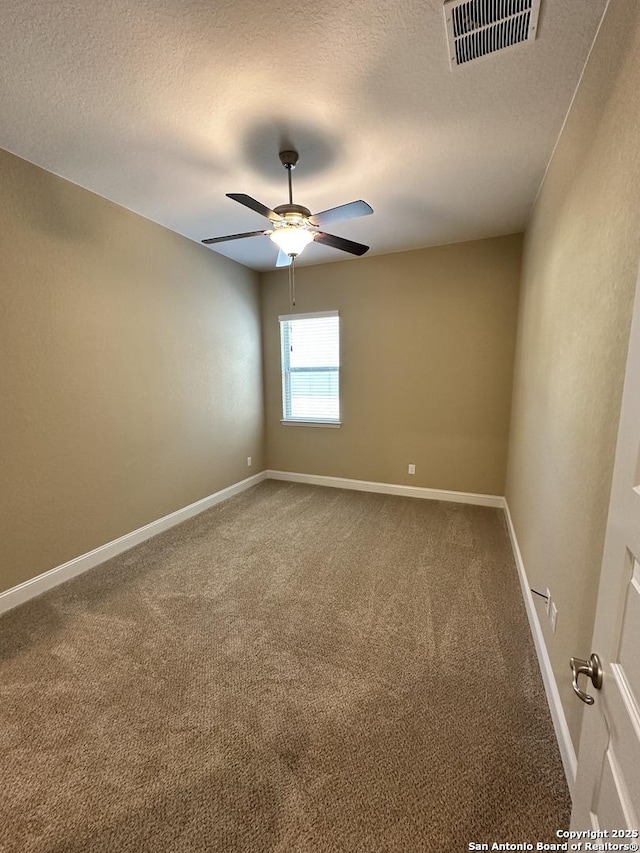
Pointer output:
x,y
292,239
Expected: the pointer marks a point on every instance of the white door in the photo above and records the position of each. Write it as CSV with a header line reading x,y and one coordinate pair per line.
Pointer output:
x,y
607,795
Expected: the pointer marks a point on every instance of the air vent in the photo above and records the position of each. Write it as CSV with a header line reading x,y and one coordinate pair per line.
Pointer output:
x,y
477,28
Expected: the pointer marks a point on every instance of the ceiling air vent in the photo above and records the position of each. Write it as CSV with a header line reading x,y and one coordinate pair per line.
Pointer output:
x,y
476,28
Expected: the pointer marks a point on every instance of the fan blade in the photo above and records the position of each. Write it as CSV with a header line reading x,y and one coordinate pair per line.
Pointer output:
x,y
283,259
344,211
262,209
234,237
340,243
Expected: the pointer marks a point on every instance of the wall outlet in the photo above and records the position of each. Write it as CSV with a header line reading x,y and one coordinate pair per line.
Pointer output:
x,y
547,603
553,616
412,469
249,462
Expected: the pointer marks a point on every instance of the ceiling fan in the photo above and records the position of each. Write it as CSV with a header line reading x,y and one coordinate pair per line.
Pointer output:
x,y
292,226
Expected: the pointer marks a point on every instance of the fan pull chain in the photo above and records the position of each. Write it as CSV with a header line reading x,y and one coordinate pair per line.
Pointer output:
x,y
292,284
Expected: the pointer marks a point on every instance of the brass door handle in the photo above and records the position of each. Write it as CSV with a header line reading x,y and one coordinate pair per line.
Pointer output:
x,y
592,668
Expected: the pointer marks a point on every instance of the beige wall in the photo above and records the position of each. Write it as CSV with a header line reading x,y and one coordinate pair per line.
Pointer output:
x,y
427,354
579,273
130,371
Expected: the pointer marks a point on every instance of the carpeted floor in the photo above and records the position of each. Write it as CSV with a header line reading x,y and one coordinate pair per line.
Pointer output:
x,y
299,670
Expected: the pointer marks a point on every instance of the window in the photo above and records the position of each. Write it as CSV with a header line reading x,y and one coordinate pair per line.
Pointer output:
x,y
310,357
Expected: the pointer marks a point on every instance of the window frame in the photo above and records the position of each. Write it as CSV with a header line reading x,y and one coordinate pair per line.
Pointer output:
x,y
285,375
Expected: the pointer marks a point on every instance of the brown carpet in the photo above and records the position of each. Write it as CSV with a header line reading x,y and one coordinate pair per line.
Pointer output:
x,y
298,669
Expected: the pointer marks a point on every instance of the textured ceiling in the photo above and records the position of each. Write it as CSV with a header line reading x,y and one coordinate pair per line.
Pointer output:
x,y
164,106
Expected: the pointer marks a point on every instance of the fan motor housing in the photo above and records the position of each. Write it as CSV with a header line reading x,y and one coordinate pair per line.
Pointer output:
x,y
292,210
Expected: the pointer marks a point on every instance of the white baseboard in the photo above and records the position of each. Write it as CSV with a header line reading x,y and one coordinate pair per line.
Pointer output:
x,y
563,736
388,488
47,580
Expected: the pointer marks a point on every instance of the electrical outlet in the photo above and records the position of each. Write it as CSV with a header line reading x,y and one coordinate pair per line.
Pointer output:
x,y
249,463
553,616
412,469
547,603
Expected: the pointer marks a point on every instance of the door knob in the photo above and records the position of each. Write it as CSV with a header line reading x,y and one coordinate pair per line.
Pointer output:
x,y
592,668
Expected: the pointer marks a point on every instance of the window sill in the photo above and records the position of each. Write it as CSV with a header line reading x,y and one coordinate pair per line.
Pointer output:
x,y
330,424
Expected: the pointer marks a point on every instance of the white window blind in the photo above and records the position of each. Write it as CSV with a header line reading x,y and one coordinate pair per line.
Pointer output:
x,y
310,357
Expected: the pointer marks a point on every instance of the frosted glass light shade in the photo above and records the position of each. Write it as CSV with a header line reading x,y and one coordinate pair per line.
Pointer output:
x,y
292,240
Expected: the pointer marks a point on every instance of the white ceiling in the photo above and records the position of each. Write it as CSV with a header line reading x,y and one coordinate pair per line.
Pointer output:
x,y
164,106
